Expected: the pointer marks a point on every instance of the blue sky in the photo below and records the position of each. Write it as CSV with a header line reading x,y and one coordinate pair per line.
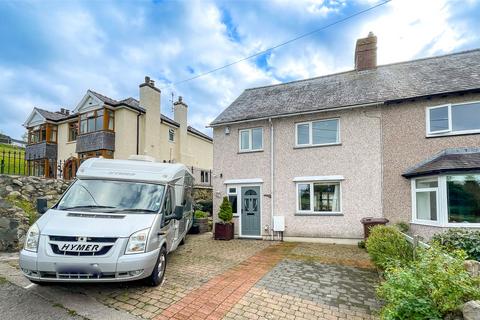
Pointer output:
x,y
53,51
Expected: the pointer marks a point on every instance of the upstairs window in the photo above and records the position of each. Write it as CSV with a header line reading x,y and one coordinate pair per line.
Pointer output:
x,y
45,132
251,139
72,131
317,133
453,119
171,135
102,119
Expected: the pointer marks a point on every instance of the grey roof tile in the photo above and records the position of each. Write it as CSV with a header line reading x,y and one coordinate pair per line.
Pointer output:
x,y
398,81
449,160
52,116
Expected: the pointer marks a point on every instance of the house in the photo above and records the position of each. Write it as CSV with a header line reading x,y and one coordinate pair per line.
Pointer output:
x,y
102,126
321,154
14,142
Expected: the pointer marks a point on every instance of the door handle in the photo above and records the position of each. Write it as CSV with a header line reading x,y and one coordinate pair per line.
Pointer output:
x,y
161,233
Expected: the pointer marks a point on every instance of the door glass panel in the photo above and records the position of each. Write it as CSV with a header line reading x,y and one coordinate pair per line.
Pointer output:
x,y
439,119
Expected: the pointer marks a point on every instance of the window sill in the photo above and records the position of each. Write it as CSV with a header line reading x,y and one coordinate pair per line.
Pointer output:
x,y
447,225
250,151
318,146
452,134
326,214
73,141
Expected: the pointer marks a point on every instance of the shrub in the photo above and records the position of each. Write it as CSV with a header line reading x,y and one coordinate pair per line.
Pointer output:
x,y
200,214
431,287
361,244
26,206
204,205
455,239
402,226
225,213
387,247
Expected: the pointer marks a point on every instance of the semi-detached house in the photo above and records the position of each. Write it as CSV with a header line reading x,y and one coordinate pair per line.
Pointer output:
x,y
100,126
400,141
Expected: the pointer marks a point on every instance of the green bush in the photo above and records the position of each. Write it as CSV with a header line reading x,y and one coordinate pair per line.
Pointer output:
x,y
361,244
225,213
402,226
387,247
204,205
200,214
26,206
431,287
455,239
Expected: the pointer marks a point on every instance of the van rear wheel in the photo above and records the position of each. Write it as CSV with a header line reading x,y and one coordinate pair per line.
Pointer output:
x,y
158,272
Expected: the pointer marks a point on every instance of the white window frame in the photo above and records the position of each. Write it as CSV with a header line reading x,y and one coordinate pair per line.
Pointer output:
x,y
416,190
171,133
311,211
310,134
449,131
233,193
442,203
250,140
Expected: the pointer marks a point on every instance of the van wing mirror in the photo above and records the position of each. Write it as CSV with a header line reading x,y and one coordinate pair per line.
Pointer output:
x,y
178,212
42,205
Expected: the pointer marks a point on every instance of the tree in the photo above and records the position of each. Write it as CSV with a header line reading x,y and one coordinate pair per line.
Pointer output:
x,y
225,213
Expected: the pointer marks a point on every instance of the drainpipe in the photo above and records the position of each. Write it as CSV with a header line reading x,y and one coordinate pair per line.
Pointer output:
x,y
138,131
271,178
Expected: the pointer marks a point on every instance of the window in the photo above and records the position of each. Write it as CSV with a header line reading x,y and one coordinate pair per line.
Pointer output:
x,y
94,121
171,135
317,133
167,204
110,119
453,119
204,176
251,139
447,200
45,132
318,197
72,131
426,191
232,197
108,154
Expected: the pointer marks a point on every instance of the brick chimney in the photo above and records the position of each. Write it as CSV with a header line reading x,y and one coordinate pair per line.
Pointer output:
x,y
150,101
366,53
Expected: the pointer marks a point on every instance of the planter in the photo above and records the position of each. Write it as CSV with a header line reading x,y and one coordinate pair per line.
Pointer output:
x,y
224,231
202,224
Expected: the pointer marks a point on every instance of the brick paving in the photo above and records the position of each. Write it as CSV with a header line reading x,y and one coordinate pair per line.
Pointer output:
x,y
250,279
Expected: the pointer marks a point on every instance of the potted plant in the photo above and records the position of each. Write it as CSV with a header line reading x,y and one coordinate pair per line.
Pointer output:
x,y
201,221
224,228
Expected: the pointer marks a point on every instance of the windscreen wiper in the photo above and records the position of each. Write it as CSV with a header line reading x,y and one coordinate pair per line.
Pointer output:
x,y
137,210
86,207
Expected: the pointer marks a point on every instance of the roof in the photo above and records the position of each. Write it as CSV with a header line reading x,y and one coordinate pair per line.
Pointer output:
x,y
449,160
52,116
458,72
129,102
199,133
131,170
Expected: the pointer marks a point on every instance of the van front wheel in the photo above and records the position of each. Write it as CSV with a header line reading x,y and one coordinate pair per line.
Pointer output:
x,y
158,272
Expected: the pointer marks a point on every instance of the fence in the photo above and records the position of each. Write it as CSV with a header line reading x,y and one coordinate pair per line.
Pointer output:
x,y
12,161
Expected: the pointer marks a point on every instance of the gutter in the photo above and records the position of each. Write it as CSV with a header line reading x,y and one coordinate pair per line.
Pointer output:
x,y
294,114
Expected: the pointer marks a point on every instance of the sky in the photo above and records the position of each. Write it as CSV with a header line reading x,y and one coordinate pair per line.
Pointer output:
x,y
52,52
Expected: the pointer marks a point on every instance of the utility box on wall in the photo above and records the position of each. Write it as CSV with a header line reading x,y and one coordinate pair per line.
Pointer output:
x,y
279,223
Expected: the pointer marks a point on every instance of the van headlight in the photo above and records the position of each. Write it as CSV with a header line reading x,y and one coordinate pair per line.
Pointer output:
x,y
137,243
31,240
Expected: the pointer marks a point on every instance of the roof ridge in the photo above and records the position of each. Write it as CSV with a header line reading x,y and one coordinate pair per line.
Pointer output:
x,y
353,70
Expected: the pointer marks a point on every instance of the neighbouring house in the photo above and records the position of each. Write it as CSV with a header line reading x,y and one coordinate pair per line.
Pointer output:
x,y
14,142
100,126
320,154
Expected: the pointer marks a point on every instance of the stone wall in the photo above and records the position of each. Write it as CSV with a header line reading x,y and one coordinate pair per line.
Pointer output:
x,y
18,196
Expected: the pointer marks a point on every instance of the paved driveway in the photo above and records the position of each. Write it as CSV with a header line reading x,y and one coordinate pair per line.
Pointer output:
x,y
249,279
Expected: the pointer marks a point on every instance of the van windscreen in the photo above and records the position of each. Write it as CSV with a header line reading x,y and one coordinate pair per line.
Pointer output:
x,y
112,196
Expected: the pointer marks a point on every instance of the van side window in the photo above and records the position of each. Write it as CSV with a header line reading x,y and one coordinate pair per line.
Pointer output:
x,y
167,205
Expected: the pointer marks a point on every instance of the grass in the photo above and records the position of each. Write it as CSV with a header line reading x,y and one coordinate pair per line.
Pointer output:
x,y
26,206
3,280
11,165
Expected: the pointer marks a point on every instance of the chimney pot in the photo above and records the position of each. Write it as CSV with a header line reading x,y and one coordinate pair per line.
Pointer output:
x,y
147,79
366,53
152,83
180,98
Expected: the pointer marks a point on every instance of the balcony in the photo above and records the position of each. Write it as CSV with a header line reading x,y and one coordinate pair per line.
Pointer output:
x,y
98,140
41,150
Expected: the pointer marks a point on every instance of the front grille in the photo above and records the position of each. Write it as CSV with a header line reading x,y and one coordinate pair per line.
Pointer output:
x,y
75,239
101,252
74,275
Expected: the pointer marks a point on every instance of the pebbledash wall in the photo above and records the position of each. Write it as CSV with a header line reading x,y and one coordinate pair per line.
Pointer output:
x,y
360,140
405,145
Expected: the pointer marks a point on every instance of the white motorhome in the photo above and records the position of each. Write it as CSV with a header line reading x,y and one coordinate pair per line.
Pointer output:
x,y
116,222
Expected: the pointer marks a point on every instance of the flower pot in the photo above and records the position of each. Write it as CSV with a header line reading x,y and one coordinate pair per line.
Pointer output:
x,y
223,231
202,224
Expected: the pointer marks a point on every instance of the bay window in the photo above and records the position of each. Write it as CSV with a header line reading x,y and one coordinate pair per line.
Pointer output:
x,y
97,120
447,200
43,133
317,133
451,119
318,197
